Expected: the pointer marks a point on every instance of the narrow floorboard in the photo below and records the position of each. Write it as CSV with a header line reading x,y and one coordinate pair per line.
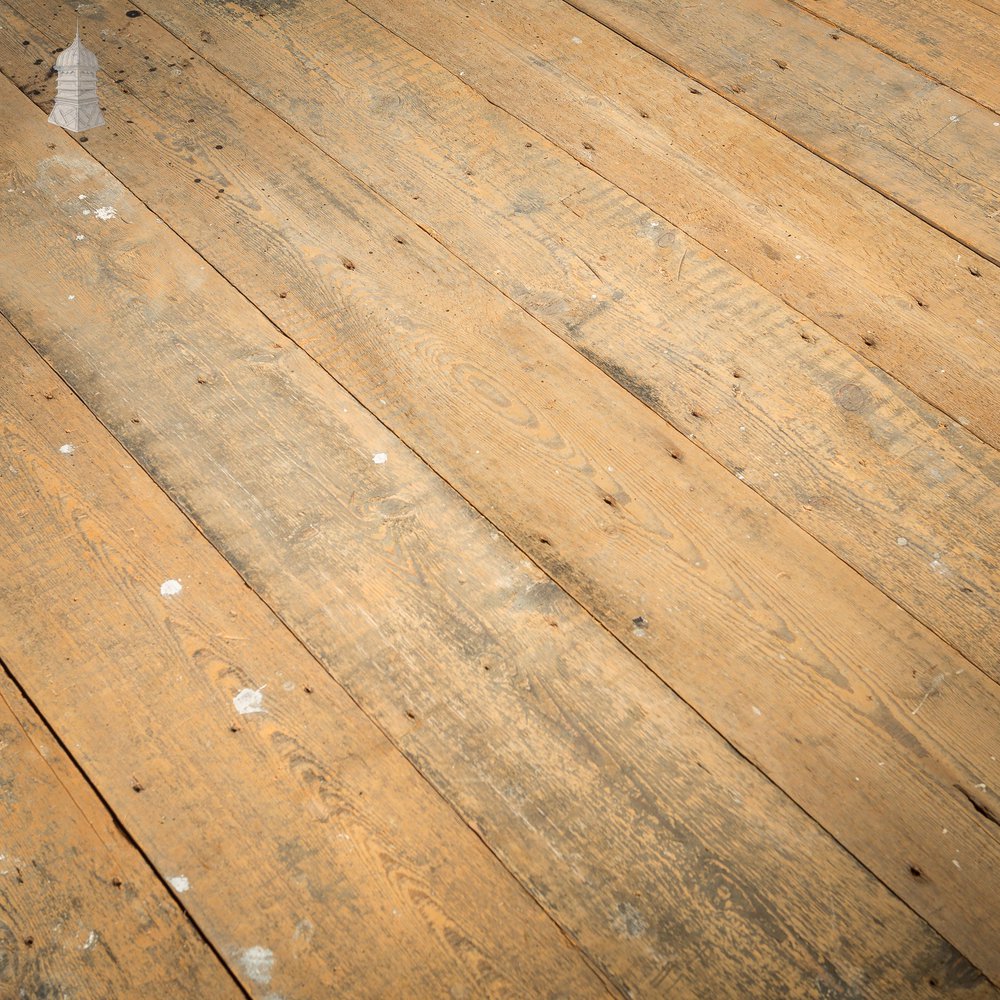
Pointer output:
x,y
955,43
921,144
81,914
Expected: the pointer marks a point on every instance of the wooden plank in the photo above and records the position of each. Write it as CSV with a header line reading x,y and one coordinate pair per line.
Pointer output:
x,y
780,404
906,297
511,655
81,913
956,43
293,826
653,843
928,148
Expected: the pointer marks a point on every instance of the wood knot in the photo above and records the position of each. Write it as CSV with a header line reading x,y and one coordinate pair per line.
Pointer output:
x,y
852,397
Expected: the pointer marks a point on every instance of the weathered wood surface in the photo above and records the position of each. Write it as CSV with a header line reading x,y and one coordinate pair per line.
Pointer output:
x,y
846,453
652,843
928,148
317,860
81,913
650,504
901,294
957,43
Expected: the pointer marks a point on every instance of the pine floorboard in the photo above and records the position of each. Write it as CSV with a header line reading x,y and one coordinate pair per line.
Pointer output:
x,y
600,558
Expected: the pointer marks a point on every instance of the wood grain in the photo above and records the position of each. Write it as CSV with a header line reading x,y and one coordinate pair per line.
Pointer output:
x,y
955,43
647,837
81,913
928,148
296,825
897,292
426,583
843,451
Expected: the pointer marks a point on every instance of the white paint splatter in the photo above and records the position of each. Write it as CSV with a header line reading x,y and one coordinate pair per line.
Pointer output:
x,y
80,236
170,588
105,212
71,298
576,41
257,963
249,700
179,883
756,710
82,197
86,211
901,541
379,458
67,449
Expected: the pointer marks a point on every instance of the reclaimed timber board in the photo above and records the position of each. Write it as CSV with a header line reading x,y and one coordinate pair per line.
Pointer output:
x,y
902,494
635,825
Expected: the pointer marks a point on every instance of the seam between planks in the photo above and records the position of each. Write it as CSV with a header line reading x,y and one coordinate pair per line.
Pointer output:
x,y
567,938
712,86
871,43
57,739
735,749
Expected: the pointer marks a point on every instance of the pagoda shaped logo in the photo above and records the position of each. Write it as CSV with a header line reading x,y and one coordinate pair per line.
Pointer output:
x,y
76,106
